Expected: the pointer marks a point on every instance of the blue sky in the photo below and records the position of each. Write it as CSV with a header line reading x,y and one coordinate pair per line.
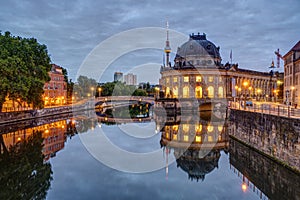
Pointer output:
x,y
72,29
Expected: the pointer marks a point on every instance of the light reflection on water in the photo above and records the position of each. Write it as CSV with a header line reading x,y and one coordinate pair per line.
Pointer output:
x,y
210,174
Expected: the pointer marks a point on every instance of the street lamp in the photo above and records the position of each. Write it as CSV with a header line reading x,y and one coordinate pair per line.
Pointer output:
x,y
258,93
245,84
250,89
99,91
92,89
156,92
275,95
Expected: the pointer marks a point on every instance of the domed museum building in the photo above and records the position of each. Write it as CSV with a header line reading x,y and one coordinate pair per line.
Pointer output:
x,y
198,73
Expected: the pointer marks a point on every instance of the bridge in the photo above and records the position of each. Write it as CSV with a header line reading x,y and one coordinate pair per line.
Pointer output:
x,y
123,120
125,98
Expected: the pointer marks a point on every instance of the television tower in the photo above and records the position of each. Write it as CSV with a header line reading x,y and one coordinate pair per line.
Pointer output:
x,y
167,47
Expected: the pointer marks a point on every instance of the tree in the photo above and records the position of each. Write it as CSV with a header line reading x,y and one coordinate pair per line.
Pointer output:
x,y
120,89
24,67
23,172
85,86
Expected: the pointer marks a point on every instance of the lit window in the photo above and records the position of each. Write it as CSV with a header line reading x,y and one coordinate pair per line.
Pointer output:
x,y
185,128
198,78
198,128
175,92
167,135
186,92
186,79
220,92
220,79
210,128
175,137
167,80
167,92
186,138
220,128
198,138
210,91
174,79
210,138
210,79
175,127
220,137
198,92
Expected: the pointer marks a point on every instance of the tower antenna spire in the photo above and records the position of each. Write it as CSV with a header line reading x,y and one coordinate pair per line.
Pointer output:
x,y
167,47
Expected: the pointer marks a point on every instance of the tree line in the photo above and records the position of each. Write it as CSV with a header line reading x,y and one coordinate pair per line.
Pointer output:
x,y
88,87
24,67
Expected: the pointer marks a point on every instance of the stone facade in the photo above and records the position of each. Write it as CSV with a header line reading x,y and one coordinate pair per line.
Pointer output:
x,y
292,75
199,73
55,91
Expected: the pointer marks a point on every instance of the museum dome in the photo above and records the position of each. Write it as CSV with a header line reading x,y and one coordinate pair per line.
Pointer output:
x,y
198,51
197,168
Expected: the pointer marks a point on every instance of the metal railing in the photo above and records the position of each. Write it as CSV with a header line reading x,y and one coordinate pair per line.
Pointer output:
x,y
267,108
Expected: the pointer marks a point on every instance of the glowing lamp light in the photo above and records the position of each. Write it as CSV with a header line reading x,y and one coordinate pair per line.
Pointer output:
x,y
244,187
19,139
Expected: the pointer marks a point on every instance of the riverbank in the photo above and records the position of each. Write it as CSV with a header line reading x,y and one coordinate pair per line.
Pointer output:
x,y
13,117
273,158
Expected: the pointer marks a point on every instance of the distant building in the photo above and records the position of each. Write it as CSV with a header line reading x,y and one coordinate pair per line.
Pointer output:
x,y
55,91
118,76
292,75
130,79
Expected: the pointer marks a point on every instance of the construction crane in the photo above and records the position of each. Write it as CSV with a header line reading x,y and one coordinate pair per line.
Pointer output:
x,y
279,56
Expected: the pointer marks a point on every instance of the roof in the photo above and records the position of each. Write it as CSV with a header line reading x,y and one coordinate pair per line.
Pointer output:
x,y
295,48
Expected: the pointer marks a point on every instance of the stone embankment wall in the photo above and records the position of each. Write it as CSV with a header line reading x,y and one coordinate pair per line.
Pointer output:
x,y
10,117
277,137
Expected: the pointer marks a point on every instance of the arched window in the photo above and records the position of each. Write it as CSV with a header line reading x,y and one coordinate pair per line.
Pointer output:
x,y
198,128
210,128
167,92
220,92
185,128
210,92
186,92
175,92
198,92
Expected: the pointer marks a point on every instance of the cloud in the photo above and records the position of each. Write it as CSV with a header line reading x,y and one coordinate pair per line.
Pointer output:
x,y
71,29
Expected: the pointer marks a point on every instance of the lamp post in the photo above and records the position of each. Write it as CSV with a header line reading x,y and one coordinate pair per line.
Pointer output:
x,y
156,92
236,89
275,95
92,89
245,84
292,95
99,91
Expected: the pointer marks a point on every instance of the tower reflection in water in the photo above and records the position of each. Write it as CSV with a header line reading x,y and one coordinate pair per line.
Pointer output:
x,y
196,143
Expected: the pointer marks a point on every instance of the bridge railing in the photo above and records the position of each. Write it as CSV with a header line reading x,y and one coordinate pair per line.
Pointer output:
x,y
125,98
271,109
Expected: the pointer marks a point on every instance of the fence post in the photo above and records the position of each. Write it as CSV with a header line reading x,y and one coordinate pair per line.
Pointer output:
x,y
289,114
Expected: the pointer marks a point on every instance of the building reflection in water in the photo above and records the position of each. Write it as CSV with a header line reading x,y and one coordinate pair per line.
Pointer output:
x,y
53,135
196,143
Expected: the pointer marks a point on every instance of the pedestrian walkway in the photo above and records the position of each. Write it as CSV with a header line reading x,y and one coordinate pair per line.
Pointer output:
x,y
267,108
